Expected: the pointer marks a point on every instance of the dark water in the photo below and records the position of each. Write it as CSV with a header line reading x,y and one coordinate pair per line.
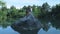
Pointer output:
x,y
51,26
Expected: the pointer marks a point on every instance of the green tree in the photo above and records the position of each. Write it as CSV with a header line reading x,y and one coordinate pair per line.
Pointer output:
x,y
12,12
2,4
3,12
45,8
56,11
33,8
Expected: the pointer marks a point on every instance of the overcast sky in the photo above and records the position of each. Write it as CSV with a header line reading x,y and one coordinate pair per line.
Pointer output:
x,y
21,3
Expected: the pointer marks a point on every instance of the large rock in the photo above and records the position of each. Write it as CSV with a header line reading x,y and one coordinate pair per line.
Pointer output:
x,y
27,25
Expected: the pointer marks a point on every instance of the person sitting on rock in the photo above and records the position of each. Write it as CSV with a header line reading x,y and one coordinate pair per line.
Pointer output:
x,y
29,20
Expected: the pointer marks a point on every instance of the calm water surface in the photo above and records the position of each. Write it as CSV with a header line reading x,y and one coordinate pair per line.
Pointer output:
x,y
52,27
9,30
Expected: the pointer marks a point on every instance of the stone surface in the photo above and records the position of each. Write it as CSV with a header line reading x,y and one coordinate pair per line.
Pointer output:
x,y
27,25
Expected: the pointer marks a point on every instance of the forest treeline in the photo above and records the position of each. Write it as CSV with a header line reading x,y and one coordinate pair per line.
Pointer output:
x,y
44,11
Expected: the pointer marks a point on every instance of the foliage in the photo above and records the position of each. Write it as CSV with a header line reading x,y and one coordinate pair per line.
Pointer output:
x,y
9,15
2,4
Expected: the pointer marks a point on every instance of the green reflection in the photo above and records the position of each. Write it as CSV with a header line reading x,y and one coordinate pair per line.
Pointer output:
x,y
46,23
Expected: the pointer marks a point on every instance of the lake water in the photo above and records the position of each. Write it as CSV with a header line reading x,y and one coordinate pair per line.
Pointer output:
x,y
50,27
9,30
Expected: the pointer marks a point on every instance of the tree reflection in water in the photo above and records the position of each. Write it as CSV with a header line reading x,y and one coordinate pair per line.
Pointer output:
x,y
21,29
46,25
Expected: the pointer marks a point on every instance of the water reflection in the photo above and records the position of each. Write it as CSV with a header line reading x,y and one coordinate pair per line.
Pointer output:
x,y
25,28
7,30
4,25
21,31
48,26
45,26
56,23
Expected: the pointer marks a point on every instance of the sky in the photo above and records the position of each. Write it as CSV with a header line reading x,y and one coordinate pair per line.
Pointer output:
x,y
21,3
